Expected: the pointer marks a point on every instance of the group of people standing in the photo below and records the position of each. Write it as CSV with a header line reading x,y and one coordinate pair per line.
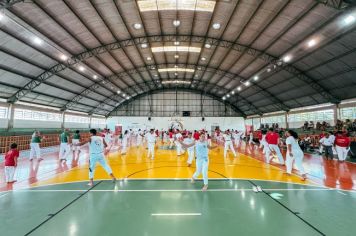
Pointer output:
x,y
197,144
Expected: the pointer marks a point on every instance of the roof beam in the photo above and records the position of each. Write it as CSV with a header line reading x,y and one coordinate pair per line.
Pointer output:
x,y
9,3
139,40
336,4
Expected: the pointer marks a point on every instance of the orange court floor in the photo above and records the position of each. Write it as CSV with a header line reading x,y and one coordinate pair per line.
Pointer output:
x,y
134,164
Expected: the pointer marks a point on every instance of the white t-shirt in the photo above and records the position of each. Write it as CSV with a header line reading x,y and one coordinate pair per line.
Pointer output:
x,y
189,141
96,145
294,144
327,141
227,137
179,136
151,138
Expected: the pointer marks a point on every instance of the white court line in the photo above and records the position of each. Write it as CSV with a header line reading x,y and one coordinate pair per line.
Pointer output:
x,y
341,193
176,214
163,190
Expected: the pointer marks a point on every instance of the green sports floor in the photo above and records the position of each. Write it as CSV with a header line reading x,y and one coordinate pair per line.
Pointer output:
x,y
178,207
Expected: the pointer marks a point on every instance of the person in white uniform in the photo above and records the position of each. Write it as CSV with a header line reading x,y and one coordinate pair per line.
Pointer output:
x,y
151,141
97,152
228,143
75,140
263,143
202,162
189,140
237,138
35,146
294,154
178,139
328,142
125,141
64,148
139,138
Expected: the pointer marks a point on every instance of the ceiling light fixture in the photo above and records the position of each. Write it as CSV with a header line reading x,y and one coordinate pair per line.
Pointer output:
x,y
203,58
228,95
37,41
233,92
311,43
118,91
176,23
247,83
64,57
1,16
137,26
81,68
349,19
256,78
268,69
144,45
176,49
223,98
123,94
149,58
176,70
287,58
216,26
207,45
187,5
95,76
176,43
176,74
176,56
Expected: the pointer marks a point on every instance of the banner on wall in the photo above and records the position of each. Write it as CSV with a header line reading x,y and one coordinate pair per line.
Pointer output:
x,y
118,129
249,129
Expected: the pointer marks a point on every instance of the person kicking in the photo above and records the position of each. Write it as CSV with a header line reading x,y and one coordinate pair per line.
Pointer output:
x,y
202,161
97,152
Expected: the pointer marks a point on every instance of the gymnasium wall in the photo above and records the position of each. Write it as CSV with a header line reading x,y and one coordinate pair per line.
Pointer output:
x,y
189,123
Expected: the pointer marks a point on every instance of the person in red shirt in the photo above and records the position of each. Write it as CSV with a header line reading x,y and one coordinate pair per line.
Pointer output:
x,y
171,139
11,163
272,138
342,144
196,135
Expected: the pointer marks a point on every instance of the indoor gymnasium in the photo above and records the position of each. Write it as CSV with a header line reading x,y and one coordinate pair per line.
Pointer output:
x,y
177,117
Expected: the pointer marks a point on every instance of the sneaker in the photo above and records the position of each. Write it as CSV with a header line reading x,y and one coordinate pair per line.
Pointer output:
x,y
259,188
192,180
254,189
205,187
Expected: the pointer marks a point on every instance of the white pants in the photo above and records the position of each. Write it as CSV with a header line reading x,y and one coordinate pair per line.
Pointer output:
x,y
35,150
190,155
209,141
179,148
171,140
151,150
202,167
237,142
9,173
93,159
341,152
139,141
276,149
75,148
264,144
228,145
298,158
124,147
64,150
321,148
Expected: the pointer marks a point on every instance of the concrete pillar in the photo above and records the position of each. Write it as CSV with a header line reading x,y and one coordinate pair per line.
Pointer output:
x,y
10,124
286,119
336,110
90,117
63,119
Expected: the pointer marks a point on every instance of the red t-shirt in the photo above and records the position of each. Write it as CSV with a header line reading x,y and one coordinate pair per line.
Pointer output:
x,y
321,136
342,141
272,138
259,134
196,136
170,134
11,156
